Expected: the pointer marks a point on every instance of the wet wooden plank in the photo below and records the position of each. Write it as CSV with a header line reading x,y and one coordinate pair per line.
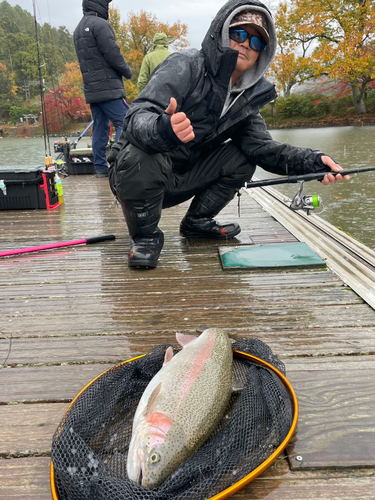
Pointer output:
x,y
25,479
337,408
118,281
192,317
46,384
161,296
115,348
27,429
343,488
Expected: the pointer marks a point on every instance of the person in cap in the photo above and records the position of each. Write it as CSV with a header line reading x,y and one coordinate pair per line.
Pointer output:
x,y
196,132
102,67
152,60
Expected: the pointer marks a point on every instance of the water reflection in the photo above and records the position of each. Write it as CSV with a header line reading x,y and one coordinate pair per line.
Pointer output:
x,y
348,205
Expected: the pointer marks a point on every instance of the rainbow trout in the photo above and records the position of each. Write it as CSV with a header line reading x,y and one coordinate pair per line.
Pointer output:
x,y
181,406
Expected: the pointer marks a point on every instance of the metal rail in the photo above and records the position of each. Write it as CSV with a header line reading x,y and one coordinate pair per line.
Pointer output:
x,y
352,261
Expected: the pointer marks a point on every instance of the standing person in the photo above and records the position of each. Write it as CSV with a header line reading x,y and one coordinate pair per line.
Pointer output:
x,y
102,66
196,131
152,60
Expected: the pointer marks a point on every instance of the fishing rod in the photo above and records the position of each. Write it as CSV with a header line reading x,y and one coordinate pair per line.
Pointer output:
x,y
306,202
44,111
82,241
83,133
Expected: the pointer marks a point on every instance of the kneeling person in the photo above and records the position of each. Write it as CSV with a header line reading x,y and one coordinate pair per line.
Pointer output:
x,y
196,131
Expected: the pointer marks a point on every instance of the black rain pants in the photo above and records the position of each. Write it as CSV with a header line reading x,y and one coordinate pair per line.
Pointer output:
x,y
140,176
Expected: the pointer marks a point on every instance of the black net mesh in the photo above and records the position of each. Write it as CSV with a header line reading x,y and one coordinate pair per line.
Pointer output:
x,y
89,450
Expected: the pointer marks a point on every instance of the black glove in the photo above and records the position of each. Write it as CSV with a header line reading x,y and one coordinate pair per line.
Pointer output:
x,y
112,155
319,166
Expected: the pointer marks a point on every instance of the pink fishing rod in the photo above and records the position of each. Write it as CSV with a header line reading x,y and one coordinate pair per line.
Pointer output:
x,y
85,241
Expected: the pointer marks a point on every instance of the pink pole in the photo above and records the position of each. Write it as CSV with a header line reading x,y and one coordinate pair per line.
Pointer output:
x,y
57,245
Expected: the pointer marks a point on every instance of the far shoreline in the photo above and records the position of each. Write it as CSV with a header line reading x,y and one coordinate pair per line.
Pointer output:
x,y
329,122
35,131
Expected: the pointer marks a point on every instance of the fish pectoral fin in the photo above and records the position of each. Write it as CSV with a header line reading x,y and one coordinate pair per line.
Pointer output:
x,y
184,339
168,355
152,398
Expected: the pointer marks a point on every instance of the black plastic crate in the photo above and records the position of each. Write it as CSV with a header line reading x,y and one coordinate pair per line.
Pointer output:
x,y
24,187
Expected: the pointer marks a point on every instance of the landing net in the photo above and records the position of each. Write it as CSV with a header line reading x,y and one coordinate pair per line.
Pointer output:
x,y
90,446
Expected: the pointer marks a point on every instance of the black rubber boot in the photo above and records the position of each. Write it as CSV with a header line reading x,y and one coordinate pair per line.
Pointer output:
x,y
199,222
142,218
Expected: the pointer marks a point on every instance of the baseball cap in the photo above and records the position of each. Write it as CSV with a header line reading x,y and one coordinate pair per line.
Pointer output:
x,y
253,18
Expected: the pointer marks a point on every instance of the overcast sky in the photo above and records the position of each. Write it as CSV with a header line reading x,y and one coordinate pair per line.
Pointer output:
x,y
197,14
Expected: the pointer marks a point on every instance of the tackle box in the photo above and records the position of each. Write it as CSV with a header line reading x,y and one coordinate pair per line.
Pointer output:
x,y
81,161
27,187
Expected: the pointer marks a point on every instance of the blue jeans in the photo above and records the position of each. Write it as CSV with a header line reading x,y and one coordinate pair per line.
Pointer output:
x,y
103,113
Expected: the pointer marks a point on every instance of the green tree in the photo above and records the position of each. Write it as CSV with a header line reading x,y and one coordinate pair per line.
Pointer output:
x,y
18,52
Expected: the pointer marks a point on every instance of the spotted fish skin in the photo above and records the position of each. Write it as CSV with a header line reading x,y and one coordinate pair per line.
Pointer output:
x,y
181,406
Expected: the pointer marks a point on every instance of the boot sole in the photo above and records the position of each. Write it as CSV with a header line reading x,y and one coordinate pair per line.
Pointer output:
x,y
142,266
209,236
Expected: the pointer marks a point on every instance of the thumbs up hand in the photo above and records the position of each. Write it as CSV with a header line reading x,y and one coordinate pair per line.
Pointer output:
x,y
181,124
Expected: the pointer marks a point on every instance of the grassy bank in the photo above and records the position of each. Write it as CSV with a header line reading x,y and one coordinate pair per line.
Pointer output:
x,y
24,130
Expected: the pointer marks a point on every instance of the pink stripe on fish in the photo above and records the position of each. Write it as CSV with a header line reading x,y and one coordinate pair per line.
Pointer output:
x,y
198,364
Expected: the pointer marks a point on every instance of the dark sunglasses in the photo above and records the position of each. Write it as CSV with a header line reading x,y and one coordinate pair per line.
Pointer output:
x,y
240,36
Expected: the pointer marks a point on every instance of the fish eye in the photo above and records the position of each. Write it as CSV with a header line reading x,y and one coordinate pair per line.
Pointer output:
x,y
154,457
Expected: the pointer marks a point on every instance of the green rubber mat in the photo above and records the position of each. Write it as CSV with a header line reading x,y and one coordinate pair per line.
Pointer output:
x,y
270,257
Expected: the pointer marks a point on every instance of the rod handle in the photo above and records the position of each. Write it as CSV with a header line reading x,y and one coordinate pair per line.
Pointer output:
x,y
97,239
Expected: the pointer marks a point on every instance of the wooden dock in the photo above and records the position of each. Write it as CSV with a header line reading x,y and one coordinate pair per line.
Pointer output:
x,y
68,314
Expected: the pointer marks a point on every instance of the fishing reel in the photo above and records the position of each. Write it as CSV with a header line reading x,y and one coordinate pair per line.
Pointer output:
x,y
307,202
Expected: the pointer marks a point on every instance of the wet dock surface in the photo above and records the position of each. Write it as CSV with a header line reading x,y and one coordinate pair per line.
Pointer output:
x,y
68,314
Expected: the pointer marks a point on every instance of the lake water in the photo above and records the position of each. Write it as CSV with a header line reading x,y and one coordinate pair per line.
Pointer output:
x,y
349,205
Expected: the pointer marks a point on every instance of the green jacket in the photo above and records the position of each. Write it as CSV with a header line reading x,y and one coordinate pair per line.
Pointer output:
x,y
153,59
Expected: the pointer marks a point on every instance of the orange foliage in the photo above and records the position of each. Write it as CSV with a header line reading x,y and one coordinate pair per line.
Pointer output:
x,y
336,38
72,85
135,39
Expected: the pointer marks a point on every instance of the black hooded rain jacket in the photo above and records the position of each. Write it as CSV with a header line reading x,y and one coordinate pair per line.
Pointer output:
x,y
100,59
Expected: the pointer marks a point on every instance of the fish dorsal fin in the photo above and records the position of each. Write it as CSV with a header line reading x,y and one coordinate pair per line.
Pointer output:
x,y
153,397
184,339
168,355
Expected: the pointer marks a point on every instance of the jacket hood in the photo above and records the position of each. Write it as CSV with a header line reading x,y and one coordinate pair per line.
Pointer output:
x,y
216,42
160,39
98,7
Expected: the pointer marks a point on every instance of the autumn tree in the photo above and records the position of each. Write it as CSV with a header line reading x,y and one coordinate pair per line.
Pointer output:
x,y
341,38
66,103
293,63
135,39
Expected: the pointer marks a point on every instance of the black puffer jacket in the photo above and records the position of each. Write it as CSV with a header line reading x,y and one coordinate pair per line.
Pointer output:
x,y
100,59
199,80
